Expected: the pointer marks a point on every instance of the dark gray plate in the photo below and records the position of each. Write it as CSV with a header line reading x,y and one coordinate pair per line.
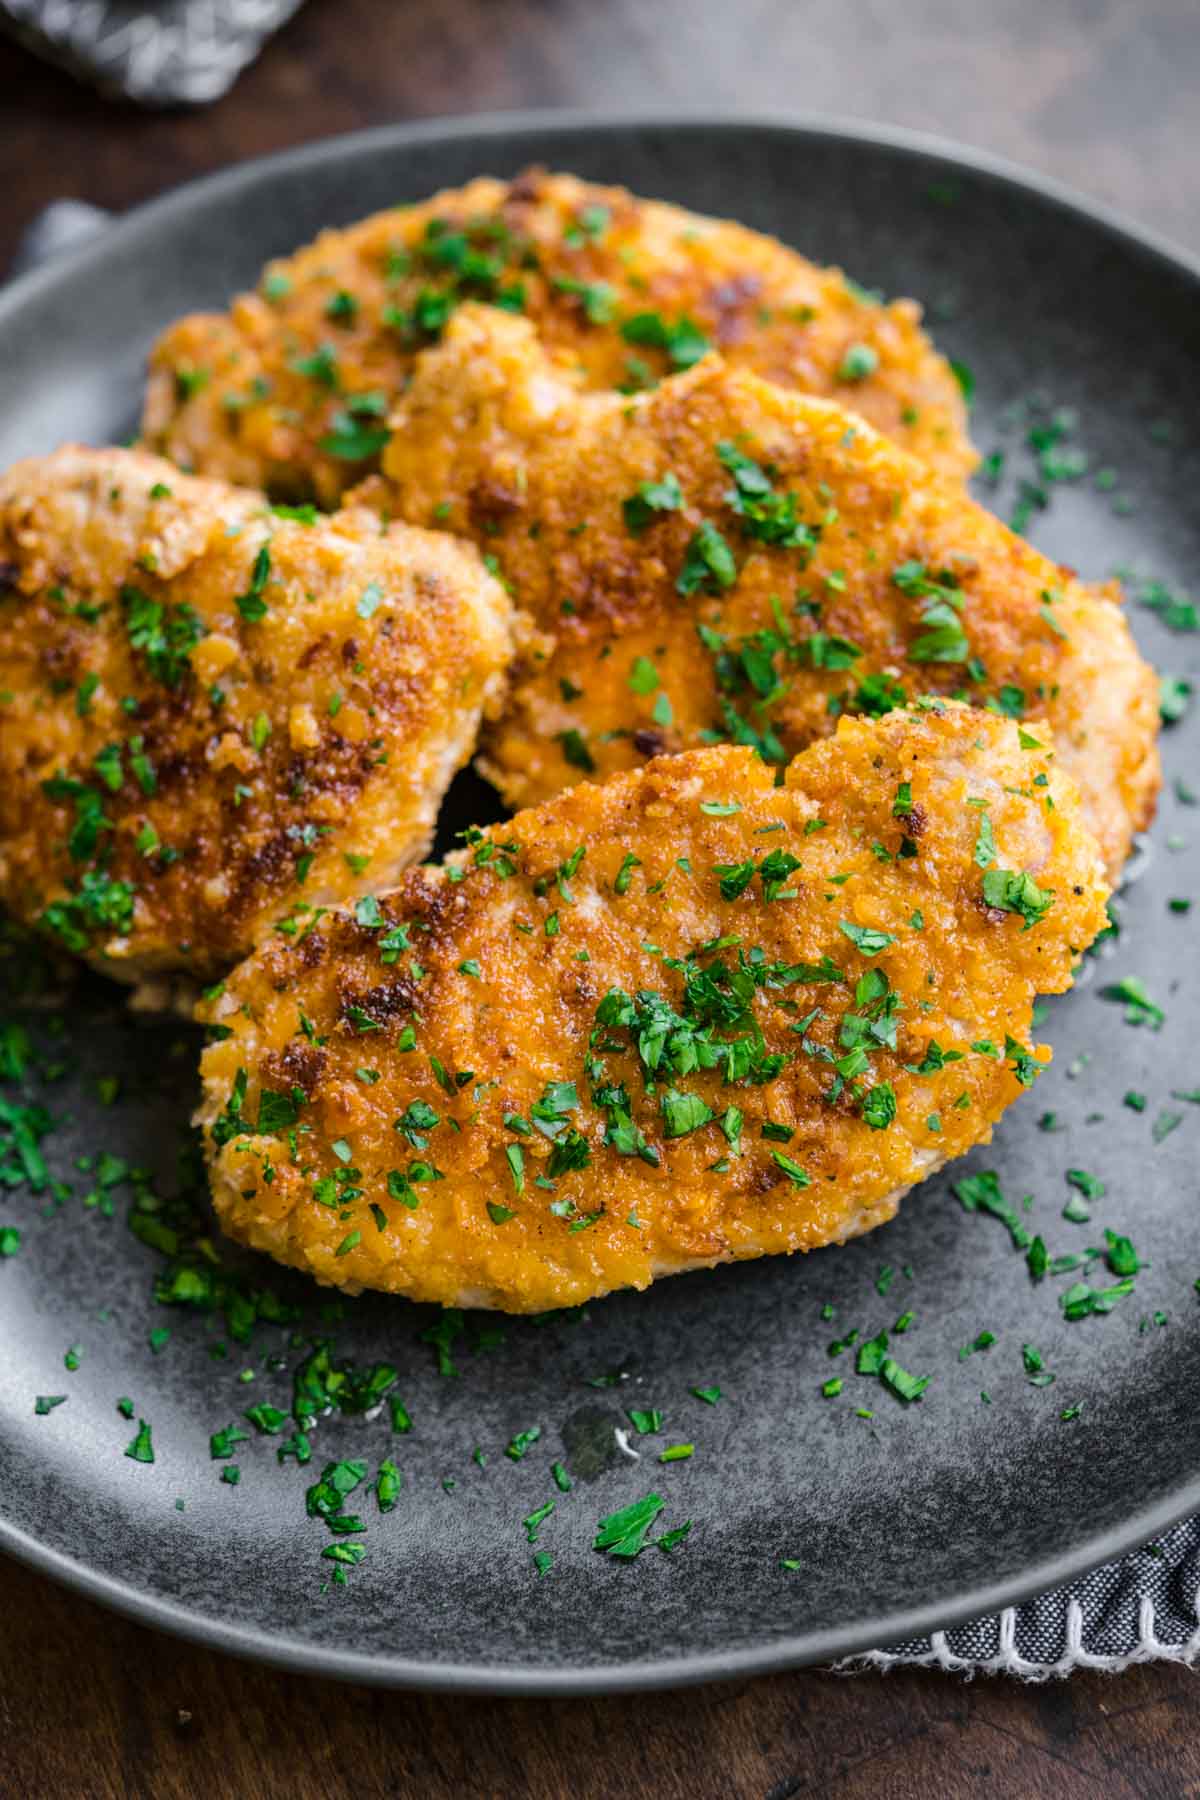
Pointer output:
x,y
900,1522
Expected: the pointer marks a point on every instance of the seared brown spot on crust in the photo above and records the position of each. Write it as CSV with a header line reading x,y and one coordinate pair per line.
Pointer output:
x,y
528,184
914,821
311,948
263,867
583,990
172,769
491,500
297,1065
731,302
312,651
383,1003
61,662
443,902
648,742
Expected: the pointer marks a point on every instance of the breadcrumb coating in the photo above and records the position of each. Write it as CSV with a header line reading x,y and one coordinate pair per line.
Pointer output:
x,y
214,718
681,1017
290,389
721,558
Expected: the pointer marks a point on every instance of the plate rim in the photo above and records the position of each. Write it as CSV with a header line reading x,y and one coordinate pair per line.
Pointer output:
x,y
828,1644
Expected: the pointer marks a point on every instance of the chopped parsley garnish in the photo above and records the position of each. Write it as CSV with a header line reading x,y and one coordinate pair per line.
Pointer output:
x,y
943,639
388,1482
251,604
516,1164
350,439
879,1106
221,1444
643,676
870,1356
142,1448
523,1441
342,307
572,1151
708,564
326,1498
965,378
1174,698
1139,1008
551,1114
98,904
165,635
90,817
766,516
1017,892
596,298
859,362
865,938
575,750
1080,1300
716,996
267,1420
320,367
683,341
899,1382
651,498
623,1534
982,1193
683,1113
1122,1258
796,1175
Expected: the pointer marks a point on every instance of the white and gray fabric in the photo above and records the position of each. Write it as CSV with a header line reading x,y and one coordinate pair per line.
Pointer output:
x,y
1144,1608
155,52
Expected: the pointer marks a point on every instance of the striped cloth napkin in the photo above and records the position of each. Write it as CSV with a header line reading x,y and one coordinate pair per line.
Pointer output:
x,y
154,52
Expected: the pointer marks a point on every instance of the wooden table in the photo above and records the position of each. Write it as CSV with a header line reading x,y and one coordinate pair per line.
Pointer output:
x,y
1101,93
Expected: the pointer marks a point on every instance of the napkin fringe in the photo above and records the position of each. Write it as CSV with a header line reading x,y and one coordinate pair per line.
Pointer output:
x,y
1009,1661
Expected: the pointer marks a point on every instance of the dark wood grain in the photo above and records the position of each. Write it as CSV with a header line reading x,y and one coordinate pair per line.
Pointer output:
x,y
1100,93
95,1708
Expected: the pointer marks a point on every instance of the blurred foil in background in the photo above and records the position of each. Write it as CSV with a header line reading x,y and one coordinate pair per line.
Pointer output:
x,y
168,53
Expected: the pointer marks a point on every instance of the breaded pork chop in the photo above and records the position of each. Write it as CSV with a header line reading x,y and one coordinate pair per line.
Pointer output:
x,y
721,558
290,389
682,1017
212,716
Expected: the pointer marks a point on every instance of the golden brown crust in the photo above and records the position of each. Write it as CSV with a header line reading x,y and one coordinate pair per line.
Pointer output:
x,y
883,561
384,1129
258,394
227,705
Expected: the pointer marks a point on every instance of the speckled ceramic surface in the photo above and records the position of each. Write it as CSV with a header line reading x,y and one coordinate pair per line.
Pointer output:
x,y
898,1522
